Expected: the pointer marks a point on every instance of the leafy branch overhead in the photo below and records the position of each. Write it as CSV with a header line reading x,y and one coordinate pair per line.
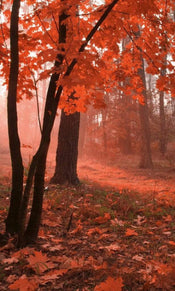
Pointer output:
x,y
39,34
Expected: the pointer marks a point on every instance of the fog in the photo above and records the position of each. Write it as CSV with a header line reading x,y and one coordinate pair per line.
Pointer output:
x,y
110,136
29,133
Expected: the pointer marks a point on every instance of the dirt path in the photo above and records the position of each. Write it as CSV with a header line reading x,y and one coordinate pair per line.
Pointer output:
x,y
159,182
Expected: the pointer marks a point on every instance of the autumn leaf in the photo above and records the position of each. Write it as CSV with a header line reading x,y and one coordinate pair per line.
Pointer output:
x,y
23,252
52,275
112,247
172,243
78,228
102,219
138,258
51,223
23,284
115,221
130,232
110,284
10,260
95,230
39,262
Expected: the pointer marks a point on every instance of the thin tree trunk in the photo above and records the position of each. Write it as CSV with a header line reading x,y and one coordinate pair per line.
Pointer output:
x,y
38,164
32,229
163,134
145,154
146,158
14,142
163,140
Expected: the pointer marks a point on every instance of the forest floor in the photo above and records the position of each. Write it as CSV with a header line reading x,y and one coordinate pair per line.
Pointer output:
x,y
115,231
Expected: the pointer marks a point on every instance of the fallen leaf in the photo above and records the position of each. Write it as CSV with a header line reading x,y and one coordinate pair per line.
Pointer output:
x,y
11,278
52,275
110,284
77,229
167,218
116,221
140,220
23,252
103,219
23,284
130,232
55,248
93,231
39,262
51,223
10,260
138,258
112,247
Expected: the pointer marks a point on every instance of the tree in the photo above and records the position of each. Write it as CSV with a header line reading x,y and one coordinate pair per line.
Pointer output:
x,y
14,141
67,148
38,164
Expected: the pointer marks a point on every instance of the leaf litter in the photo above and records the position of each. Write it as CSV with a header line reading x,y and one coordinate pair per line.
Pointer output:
x,y
94,238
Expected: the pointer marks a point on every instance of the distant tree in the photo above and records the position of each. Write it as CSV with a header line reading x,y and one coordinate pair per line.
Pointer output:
x,y
145,150
163,131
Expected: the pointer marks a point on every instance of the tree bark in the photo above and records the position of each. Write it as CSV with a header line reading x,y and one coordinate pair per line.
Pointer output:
x,y
163,139
67,150
163,133
125,144
38,164
14,141
32,229
145,151
146,158
82,134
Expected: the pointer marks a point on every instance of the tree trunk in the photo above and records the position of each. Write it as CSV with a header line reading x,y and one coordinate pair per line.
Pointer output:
x,y
124,142
38,164
14,142
146,158
82,134
163,139
31,232
163,133
67,150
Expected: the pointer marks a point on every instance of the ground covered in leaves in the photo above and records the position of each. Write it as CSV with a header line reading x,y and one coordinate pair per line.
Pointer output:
x,y
93,238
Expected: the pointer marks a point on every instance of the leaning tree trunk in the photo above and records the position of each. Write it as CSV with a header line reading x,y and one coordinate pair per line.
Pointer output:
x,y
67,150
14,142
32,229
